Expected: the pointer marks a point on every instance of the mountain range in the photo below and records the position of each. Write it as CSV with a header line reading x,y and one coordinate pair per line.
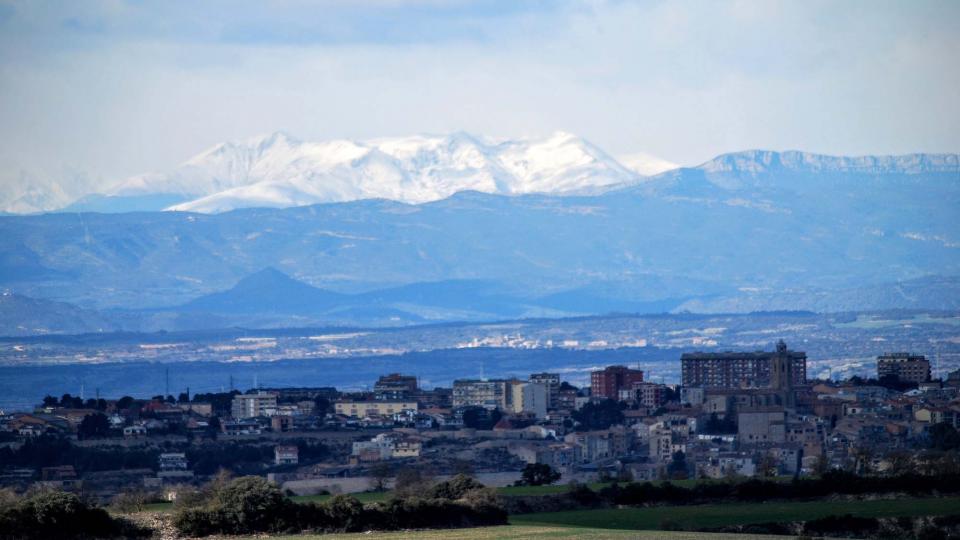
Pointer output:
x,y
747,231
277,170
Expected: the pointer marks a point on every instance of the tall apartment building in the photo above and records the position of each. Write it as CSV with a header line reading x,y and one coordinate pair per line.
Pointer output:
x,y
528,397
650,395
908,367
780,369
254,405
608,382
395,387
374,409
489,394
552,382
509,395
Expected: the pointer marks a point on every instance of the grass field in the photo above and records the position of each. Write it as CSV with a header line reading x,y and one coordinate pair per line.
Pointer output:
x,y
515,532
719,515
364,497
509,491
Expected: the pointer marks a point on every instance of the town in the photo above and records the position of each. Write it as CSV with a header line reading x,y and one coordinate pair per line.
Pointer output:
x,y
734,415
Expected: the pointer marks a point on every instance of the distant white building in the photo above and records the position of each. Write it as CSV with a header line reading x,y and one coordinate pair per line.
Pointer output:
x,y
254,405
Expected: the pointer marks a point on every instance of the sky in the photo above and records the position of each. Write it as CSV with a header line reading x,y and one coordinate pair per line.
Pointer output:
x,y
112,88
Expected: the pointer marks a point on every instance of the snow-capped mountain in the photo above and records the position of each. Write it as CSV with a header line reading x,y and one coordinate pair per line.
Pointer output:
x,y
647,165
279,171
25,192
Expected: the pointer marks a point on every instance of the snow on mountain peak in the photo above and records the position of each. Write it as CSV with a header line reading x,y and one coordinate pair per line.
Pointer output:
x,y
277,170
646,164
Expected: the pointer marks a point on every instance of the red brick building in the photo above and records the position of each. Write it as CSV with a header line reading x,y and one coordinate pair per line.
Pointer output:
x,y
609,382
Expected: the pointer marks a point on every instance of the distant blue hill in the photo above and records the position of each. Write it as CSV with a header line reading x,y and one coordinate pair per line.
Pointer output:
x,y
747,231
267,291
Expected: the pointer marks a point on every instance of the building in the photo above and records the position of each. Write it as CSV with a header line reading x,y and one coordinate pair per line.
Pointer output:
x,y
254,405
491,394
287,395
173,464
395,387
907,367
762,425
780,369
650,395
374,409
608,382
286,455
552,382
528,397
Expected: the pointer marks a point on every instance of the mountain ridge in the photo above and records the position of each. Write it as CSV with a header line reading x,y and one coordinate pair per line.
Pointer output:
x,y
278,170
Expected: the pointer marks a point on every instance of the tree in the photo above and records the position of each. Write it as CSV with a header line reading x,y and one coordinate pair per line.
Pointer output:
x,y
944,436
50,401
538,474
379,474
602,415
716,426
411,481
822,465
766,464
69,402
480,418
93,426
677,469
124,403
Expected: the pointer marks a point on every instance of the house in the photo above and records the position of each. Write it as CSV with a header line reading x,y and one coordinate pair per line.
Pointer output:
x,y
286,455
62,477
173,465
240,427
135,431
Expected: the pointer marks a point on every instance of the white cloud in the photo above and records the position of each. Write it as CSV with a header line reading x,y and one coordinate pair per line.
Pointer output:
x,y
117,88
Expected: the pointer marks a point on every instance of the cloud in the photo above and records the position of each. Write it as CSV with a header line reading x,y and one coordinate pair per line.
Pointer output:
x,y
118,88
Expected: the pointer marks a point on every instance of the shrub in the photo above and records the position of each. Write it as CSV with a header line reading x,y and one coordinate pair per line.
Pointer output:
x,y
453,489
128,502
346,513
58,515
242,506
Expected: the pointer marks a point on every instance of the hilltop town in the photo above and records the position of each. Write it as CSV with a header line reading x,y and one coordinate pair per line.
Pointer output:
x,y
734,415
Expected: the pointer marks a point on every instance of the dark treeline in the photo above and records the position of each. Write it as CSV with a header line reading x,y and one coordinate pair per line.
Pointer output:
x,y
831,483
206,458
253,505
56,515
649,494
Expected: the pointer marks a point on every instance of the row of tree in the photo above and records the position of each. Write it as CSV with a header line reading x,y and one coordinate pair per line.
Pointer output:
x,y
250,505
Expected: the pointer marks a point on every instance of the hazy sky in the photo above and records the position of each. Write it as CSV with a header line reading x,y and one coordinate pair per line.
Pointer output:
x,y
122,87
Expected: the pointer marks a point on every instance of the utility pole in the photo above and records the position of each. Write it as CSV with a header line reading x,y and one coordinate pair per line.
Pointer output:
x,y
166,387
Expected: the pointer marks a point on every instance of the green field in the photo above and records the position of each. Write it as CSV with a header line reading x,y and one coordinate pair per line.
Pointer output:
x,y
364,497
514,532
720,515
509,491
